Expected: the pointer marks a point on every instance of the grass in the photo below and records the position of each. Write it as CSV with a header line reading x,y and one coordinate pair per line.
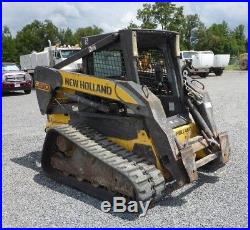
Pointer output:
x,y
233,67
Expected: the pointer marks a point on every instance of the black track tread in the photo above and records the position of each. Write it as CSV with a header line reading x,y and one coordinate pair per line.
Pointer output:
x,y
154,175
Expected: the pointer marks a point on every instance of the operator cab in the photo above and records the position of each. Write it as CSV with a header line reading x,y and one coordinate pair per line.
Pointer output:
x,y
147,57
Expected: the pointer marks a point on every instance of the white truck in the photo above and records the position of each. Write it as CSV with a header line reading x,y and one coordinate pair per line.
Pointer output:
x,y
220,62
50,56
202,63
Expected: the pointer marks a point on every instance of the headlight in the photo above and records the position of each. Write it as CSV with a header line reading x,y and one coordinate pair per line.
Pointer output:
x,y
3,78
28,77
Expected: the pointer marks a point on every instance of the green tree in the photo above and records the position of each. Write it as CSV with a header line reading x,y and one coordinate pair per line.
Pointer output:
x,y
132,25
163,13
201,38
191,27
177,21
239,40
8,46
218,35
35,36
86,31
146,15
215,38
193,33
66,37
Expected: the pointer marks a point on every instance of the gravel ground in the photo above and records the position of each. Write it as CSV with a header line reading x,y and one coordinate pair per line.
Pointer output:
x,y
30,199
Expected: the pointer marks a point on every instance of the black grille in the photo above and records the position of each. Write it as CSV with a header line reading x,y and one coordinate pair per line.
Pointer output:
x,y
150,62
153,70
107,64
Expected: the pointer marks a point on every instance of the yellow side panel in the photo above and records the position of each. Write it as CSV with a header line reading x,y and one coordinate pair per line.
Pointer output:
x,y
142,138
95,86
185,132
57,119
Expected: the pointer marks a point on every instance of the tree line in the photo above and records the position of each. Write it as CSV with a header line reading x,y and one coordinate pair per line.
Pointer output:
x,y
160,15
35,36
193,33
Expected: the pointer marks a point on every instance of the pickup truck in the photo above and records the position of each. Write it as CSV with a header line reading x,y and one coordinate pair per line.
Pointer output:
x,y
14,79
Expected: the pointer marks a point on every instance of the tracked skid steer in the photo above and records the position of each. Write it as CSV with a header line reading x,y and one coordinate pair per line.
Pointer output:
x,y
128,124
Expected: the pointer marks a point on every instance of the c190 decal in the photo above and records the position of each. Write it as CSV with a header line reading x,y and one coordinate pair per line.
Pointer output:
x,y
42,86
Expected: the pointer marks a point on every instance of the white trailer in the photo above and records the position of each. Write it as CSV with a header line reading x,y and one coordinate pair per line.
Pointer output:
x,y
29,62
220,62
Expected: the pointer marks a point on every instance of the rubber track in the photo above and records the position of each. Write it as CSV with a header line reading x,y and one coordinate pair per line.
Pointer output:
x,y
147,180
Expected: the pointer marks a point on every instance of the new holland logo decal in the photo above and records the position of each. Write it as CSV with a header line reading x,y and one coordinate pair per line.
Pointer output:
x,y
88,86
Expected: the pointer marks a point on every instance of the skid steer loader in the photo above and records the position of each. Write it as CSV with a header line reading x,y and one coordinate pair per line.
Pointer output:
x,y
129,123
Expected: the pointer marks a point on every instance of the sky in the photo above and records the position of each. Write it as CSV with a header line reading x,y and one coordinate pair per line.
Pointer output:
x,y
112,16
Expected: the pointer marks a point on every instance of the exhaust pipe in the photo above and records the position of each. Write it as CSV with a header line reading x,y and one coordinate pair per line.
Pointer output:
x,y
51,58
